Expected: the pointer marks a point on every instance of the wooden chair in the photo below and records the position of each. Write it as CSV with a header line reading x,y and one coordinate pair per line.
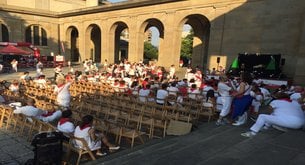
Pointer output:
x,y
208,109
131,134
80,151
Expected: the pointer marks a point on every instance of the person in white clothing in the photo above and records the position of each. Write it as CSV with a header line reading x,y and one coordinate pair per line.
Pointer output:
x,y
172,71
258,98
28,110
14,87
173,90
50,115
39,67
297,93
144,93
224,98
64,124
14,64
86,131
63,93
162,94
286,113
194,92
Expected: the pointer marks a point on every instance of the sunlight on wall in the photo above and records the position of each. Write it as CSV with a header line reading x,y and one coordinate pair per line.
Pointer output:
x,y
222,62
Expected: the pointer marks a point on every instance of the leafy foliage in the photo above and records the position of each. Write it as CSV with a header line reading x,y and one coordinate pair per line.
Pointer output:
x,y
187,46
150,51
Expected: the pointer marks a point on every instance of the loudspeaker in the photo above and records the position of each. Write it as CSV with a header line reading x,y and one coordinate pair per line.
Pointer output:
x,y
283,60
218,60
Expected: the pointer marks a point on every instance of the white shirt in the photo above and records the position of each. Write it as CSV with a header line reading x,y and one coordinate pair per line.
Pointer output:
x,y
193,94
287,109
223,89
172,90
28,110
295,96
161,95
143,93
63,95
266,93
85,135
53,117
67,127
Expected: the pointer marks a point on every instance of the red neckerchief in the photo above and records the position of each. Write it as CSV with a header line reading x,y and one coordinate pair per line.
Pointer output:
x,y
85,126
286,99
61,85
48,114
63,120
192,89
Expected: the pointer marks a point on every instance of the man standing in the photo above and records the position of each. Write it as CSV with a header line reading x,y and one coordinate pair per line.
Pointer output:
x,y
14,64
39,67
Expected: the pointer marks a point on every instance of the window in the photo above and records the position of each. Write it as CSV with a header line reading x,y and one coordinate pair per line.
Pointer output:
x,y
4,37
36,35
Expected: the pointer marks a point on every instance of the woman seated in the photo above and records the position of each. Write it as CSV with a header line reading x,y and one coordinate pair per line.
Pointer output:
x,y
94,140
286,113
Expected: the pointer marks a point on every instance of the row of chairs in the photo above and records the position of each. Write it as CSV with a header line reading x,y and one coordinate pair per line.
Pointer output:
x,y
28,127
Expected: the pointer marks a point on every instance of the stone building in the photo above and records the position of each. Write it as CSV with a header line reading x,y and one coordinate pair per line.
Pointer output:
x,y
222,28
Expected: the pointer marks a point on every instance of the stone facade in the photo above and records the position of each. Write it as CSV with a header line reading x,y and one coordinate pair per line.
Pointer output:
x,y
222,28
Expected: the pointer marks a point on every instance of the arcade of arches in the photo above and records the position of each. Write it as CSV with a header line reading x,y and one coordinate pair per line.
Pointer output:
x,y
222,29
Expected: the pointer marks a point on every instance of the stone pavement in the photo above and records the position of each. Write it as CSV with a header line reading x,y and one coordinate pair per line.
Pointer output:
x,y
14,150
209,144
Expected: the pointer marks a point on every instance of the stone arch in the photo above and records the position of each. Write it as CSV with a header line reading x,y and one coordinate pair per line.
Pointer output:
x,y
151,22
93,42
120,45
4,33
201,27
72,35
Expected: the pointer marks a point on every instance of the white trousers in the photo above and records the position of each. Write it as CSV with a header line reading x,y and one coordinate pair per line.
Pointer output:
x,y
283,121
226,105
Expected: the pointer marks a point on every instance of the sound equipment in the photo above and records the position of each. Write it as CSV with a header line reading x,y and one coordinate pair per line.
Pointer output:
x,y
218,60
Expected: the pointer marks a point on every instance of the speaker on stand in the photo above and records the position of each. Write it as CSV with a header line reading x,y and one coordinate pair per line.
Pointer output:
x,y
218,61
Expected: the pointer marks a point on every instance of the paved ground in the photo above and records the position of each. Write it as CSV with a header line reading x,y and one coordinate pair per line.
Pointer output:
x,y
207,144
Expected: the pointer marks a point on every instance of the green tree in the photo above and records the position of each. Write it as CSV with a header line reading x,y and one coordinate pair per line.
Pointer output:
x,y
187,46
150,51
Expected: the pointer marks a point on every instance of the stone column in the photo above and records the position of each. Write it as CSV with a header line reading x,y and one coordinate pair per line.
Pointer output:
x,y
133,48
169,46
